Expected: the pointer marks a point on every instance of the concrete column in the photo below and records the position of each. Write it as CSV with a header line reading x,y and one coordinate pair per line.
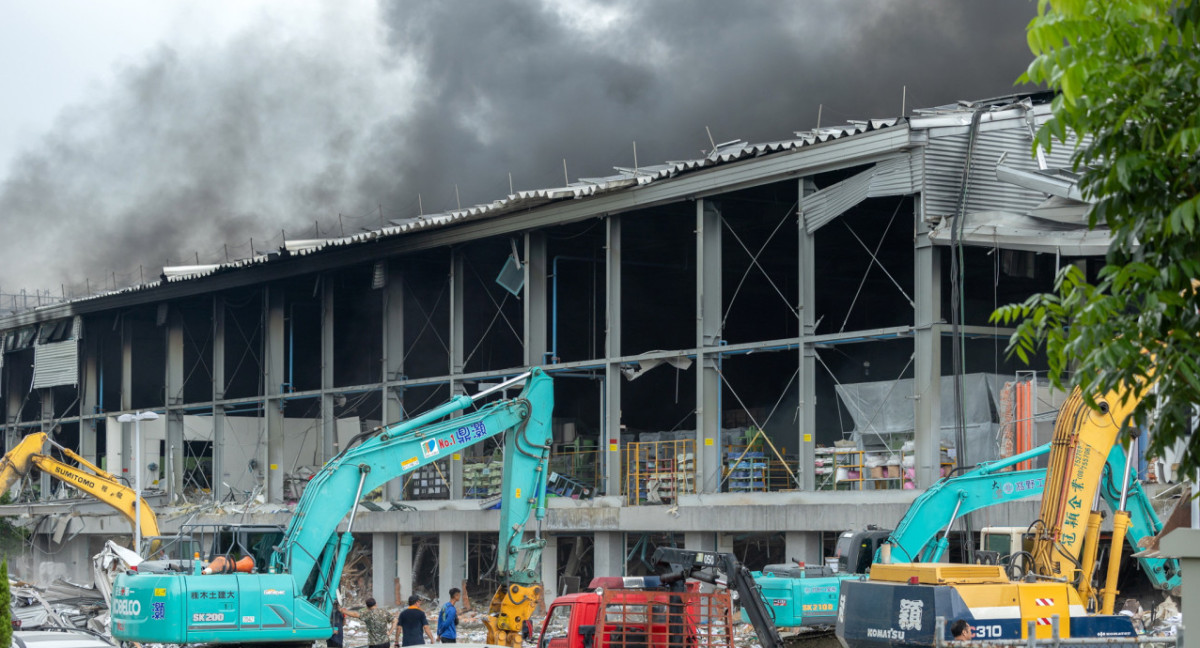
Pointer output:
x,y
274,343
174,406
328,420
458,280
550,569
725,542
89,396
393,361
1184,543
610,444
404,565
806,385
700,541
535,301
384,568
708,338
452,561
608,553
804,546
927,362
218,394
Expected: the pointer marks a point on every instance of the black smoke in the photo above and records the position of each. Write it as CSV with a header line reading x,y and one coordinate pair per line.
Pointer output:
x,y
194,152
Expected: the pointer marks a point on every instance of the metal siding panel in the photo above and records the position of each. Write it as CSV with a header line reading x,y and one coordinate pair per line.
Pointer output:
x,y
56,363
944,166
823,206
896,177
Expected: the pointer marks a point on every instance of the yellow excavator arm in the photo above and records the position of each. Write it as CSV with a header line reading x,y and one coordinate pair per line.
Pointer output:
x,y
30,453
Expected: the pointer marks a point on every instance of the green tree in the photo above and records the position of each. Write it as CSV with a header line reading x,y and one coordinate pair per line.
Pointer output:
x,y
12,537
5,606
1127,74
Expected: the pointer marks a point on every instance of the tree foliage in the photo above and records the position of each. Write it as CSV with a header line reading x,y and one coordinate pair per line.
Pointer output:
x,y
1127,74
5,606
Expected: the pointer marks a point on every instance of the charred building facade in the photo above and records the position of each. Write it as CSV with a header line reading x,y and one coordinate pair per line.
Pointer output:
x,y
752,350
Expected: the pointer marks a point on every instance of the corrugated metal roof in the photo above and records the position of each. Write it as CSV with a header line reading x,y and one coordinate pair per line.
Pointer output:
x,y
938,171
626,178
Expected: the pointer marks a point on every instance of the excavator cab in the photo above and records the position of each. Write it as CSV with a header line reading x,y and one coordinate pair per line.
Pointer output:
x,y
856,549
235,542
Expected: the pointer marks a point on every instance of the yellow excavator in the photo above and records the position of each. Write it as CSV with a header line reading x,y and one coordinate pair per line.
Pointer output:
x,y
32,453
899,602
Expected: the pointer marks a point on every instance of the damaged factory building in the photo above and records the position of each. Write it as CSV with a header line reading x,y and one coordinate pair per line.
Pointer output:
x,y
752,351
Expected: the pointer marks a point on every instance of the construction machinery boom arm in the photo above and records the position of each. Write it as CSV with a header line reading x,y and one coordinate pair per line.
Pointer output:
x,y
952,497
682,564
313,553
30,453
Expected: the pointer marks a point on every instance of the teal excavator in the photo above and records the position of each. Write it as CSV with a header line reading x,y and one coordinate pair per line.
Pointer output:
x,y
809,595
291,597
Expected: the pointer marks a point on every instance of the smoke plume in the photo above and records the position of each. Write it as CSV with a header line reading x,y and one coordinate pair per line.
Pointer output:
x,y
194,151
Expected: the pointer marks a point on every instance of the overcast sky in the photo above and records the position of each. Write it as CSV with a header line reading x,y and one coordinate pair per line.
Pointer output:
x,y
146,132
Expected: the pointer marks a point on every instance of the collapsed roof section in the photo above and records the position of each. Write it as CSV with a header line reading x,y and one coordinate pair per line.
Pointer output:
x,y
973,163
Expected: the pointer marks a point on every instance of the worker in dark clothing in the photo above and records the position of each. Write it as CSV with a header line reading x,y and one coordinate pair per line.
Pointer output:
x,y
411,622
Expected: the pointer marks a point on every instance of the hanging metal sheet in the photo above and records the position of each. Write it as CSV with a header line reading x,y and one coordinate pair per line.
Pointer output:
x,y
57,363
892,177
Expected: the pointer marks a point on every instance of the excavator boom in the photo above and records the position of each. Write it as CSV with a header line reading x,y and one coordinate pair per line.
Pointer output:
x,y
30,453
292,602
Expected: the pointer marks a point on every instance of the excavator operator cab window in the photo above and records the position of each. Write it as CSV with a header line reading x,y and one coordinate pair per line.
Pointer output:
x,y
235,542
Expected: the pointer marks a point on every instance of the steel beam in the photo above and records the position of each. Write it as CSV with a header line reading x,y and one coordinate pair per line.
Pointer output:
x,y
806,384
393,361
218,394
927,363
126,459
458,352
173,462
611,441
708,336
89,396
274,341
535,300
328,330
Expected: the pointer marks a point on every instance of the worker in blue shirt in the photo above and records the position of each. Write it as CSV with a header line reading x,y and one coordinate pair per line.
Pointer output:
x,y
447,623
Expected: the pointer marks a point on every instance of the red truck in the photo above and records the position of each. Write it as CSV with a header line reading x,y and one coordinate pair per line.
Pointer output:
x,y
623,613
667,611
